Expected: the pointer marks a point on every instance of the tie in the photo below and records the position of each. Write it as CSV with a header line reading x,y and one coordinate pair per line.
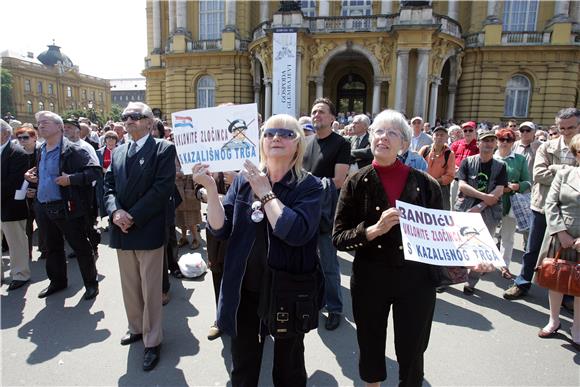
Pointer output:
x,y
132,149
357,142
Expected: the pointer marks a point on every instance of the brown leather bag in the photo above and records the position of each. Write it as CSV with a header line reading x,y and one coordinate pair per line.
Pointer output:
x,y
559,275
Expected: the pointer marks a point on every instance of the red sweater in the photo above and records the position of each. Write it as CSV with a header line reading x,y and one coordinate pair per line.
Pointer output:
x,y
393,177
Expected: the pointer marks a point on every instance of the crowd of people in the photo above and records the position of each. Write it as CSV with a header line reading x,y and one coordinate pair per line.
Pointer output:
x,y
326,181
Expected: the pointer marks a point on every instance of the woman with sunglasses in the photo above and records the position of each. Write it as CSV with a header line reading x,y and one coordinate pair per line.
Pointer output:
x,y
104,154
270,215
519,181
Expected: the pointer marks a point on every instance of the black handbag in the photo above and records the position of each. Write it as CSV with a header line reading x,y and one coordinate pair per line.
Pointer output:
x,y
449,275
294,302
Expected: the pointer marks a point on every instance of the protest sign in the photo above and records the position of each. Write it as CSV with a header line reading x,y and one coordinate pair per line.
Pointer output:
x,y
446,238
222,137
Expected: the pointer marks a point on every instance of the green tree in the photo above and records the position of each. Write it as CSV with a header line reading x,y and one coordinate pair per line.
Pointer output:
x,y
91,114
116,111
6,92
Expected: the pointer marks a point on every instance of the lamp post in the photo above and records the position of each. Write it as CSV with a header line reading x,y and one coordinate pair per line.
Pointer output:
x,y
91,112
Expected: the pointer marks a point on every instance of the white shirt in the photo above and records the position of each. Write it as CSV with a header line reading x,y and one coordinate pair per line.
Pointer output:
x,y
141,142
89,148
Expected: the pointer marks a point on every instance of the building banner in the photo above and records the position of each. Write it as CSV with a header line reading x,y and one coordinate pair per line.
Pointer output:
x,y
284,73
446,238
222,137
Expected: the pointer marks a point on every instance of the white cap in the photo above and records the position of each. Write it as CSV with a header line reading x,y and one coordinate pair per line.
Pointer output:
x,y
528,124
416,118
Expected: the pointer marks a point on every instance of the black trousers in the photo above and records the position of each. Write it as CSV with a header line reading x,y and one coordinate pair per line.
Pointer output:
x,y
408,290
75,232
248,346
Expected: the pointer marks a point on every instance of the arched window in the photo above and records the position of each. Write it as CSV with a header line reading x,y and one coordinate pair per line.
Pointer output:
x,y
29,107
69,91
51,107
205,92
41,106
517,96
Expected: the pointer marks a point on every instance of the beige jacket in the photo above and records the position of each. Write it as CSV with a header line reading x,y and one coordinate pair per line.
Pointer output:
x,y
546,165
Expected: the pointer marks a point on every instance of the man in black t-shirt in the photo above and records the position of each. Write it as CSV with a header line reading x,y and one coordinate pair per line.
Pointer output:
x,y
481,182
327,155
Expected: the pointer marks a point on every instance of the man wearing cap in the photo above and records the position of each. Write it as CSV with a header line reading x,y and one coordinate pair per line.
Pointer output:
x,y
527,145
65,174
481,182
465,147
138,186
306,123
420,138
360,148
551,157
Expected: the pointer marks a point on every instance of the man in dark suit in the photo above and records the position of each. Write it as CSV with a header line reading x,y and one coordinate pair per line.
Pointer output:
x,y
14,212
360,148
138,186
64,174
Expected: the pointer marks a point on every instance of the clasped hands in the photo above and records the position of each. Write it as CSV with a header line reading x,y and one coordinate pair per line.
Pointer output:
x,y
123,220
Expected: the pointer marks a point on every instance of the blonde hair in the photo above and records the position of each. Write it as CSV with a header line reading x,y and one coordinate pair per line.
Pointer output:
x,y
287,122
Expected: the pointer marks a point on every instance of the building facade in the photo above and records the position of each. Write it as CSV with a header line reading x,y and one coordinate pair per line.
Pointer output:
x,y
481,60
52,82
127,90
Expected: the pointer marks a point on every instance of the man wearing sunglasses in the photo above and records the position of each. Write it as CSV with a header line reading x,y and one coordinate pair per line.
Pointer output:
x,y
527,145
551,157
138,187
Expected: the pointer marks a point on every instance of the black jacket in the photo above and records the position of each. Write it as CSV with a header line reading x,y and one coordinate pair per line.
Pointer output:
x,y
14,165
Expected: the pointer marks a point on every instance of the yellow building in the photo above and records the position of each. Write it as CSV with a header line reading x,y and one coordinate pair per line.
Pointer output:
x,y
52,82
481,60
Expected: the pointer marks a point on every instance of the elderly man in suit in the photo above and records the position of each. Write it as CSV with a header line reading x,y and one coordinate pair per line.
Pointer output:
x,y
360,148
14,212
138,186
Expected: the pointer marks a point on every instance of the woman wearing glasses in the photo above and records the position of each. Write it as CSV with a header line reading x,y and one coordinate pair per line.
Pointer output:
x,y
367,223
270,215
104,154
519,181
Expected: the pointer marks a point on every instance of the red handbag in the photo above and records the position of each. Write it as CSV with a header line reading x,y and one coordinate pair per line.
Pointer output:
x,y
559,275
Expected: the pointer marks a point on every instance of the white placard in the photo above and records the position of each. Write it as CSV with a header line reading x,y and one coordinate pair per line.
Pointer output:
x,y
20,194
284,73
222,137
446,238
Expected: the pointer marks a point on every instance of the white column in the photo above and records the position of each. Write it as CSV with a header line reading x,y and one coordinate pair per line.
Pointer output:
x,y
561,9
376,97
264,14
422,82
230,14
156,26
319,87
268,98
386,7
451,102
453,9
181,16
433,100
401,81
491,7
298,82
324,8
171,17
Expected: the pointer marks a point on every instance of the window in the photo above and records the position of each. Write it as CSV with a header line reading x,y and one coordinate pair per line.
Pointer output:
x,y
69,91
308,7
39,87
50,89
27,85
205,92
211,19
356,8
41,106
29,107
51,107
93,96
84,94
520,15
517,97
100,97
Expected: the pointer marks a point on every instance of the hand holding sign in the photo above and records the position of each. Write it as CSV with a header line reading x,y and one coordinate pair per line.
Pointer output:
x,y
388,219
201,175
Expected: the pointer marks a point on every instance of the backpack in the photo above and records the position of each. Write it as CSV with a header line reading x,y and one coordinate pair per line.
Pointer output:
x,y
445,155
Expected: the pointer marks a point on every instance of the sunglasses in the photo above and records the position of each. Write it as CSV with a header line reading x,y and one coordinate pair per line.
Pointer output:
x,y
133,117
23,137
468,130
553,134
525,130
512,126
505,140
288,134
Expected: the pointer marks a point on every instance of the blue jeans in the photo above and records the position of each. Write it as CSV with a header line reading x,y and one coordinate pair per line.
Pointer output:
x,y
530,258
331,269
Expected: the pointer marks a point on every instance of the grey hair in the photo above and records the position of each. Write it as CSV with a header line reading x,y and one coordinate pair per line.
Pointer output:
x,y
362,118
566,113
396,120
145,109
5,127
50,115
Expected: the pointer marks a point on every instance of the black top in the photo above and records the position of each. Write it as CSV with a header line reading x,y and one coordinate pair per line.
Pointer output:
x,y
257,260
321,155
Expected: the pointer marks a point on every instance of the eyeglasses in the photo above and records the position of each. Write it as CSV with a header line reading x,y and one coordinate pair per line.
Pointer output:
x,y
287,134
22,138
133,116
110,138
468,130
505,140
553,134
391,133
512,126
525,130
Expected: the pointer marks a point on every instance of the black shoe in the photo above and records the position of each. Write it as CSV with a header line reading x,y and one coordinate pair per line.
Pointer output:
x,y
15,284
42,256
441,289
91,292
332,321
151,357
131,338
72,255
468,290
51,289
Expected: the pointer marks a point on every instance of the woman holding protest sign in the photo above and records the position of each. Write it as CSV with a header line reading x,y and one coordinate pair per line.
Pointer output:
x,y
367,222
271,215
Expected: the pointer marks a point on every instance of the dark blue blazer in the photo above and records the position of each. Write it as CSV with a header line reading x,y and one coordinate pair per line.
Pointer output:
x,y
14,165
144,193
